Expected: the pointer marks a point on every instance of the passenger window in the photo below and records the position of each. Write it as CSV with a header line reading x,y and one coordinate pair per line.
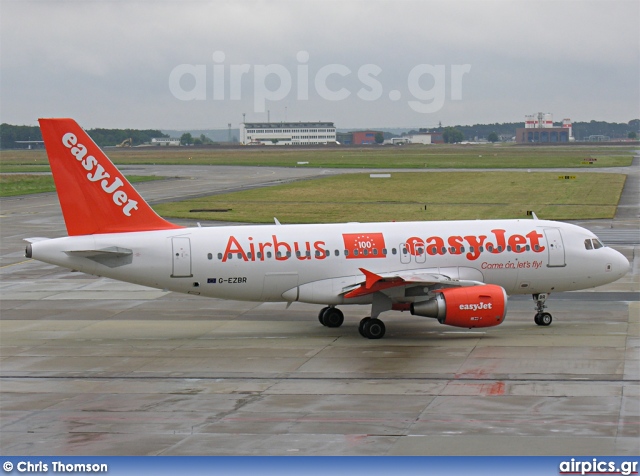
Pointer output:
x,y
384,251
337,252
509,247
239,255
375,252
444,250
209,256
219,255
268,254
355,252
394,251
587,244
249,255
471,249
346,252
288,254
365,252
230,256
259,255
298,254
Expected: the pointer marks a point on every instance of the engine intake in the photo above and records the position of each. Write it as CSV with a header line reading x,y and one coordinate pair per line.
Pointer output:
x,y
473,306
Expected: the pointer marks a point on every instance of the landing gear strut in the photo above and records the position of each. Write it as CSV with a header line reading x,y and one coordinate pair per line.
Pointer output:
x,y
541,318
372,327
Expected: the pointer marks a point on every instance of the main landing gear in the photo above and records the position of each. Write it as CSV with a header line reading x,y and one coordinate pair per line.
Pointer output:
x,y
369,328
541,318
331,317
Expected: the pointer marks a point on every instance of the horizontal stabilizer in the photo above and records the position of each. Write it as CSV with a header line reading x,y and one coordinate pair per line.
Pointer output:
x,y
35,239
112,252
111,257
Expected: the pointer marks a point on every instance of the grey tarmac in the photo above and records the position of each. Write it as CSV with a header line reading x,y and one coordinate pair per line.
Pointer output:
x,y
90,366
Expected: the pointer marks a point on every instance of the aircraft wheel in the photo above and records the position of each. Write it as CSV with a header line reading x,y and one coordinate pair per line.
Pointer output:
x,y
374,329
332,317
361,326
321,314
543,319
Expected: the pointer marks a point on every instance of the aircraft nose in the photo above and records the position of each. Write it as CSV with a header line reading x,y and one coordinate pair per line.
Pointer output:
x,y
623,264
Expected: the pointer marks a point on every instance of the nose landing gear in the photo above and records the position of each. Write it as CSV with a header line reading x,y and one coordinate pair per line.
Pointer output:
x,y
541,318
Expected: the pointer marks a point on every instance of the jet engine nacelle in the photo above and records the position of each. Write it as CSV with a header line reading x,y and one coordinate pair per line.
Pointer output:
x,y
473,306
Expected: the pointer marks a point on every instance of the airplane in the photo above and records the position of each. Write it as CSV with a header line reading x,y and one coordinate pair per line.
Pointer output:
x,y
458,272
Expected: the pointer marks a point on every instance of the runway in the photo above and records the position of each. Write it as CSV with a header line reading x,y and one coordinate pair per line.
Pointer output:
x,y
91,366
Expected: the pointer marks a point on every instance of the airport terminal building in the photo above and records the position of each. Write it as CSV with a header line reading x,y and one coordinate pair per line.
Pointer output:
x,y
539,128
287,133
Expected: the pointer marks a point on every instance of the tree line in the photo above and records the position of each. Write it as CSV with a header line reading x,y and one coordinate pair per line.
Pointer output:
x,y
10,134
506,130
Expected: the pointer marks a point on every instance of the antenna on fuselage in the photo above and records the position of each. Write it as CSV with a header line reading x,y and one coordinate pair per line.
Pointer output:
x,y
532,214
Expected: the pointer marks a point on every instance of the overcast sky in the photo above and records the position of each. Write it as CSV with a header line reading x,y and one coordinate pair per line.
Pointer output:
x,y
176,64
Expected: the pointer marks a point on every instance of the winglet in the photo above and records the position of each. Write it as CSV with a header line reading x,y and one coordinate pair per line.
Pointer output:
x,y
371,278
94,196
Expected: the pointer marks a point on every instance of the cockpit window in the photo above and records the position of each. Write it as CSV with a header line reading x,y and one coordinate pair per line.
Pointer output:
x,y
593,244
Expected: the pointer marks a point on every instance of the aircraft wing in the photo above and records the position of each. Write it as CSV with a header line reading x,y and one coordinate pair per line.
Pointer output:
x,y
373,282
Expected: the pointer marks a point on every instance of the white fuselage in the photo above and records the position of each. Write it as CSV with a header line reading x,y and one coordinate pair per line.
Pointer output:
x,y
315,263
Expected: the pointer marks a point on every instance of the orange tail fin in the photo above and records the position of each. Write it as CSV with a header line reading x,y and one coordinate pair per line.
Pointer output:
x,y
95,197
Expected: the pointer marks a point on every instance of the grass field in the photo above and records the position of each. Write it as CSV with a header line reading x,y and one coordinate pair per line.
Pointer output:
x,y
18,184
354,197
414,196
416,156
